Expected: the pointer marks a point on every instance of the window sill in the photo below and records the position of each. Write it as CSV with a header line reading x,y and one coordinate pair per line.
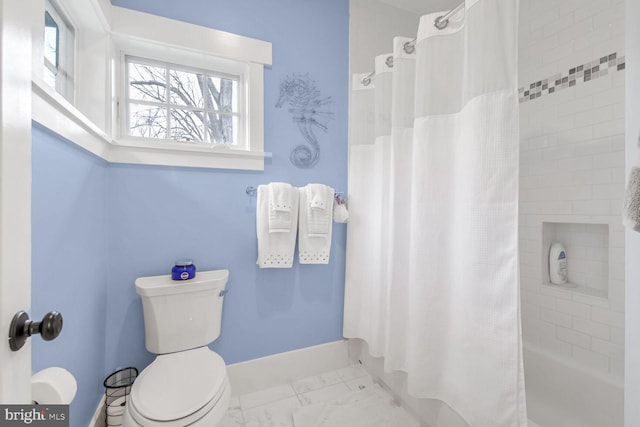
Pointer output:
x,y
54,112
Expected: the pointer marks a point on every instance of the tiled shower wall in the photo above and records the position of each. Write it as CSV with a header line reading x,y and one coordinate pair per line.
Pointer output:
x,y
571,76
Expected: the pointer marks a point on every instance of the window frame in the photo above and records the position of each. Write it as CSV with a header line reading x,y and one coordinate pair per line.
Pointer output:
x,y
65,70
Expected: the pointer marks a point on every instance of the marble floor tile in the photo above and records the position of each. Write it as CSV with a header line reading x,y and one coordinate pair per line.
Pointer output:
x,y
268,395
360,383
325,394
275,414
232,418
234,403
316,382
351,372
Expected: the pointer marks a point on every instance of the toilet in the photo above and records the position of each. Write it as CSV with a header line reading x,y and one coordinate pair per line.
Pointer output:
x,y
187,383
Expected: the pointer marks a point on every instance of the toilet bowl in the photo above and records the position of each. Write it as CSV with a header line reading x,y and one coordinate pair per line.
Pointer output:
x,y
189,388
187,383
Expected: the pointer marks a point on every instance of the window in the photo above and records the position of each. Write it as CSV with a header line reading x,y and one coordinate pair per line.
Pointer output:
x,y
187,105
185,95
59,46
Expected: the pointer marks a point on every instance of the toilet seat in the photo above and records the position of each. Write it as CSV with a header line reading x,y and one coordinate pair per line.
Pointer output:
x,y
179,388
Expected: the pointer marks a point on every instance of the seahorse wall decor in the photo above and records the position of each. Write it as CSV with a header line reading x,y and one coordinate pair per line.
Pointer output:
x,y
309,110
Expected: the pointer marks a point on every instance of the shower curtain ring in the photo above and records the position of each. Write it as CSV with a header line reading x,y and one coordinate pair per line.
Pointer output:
x,y
409,47
441,23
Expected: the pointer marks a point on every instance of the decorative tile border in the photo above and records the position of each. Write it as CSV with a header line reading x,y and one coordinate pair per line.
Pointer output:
x,y
580,74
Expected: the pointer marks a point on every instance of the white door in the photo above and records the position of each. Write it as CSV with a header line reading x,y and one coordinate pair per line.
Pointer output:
x,y
15,192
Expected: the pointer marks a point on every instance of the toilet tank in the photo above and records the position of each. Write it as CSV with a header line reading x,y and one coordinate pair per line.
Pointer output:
x,y
181,315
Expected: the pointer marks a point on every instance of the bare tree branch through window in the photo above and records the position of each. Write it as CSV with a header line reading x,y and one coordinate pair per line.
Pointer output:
x,y
185,106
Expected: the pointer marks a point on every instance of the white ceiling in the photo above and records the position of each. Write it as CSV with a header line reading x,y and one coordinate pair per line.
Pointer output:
x,y
423,6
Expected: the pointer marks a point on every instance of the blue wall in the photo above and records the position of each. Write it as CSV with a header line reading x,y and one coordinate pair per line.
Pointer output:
x,y
119,222
69,268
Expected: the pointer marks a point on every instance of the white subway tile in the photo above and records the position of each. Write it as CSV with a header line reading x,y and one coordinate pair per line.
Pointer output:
x,y
608,191
540,300
556,291
575,31
609,16
582,104
572,337
591,9
614,159
618,141
575,164
616,369
597,254
607,317
529,311
617,336
607,348
573,308
576,135
551,207
553,344
554,26
591,207
542,17
608,128
555,317
618,175
598,330
587,41
609,97
591,300
570,172
599,282
594,176
598,268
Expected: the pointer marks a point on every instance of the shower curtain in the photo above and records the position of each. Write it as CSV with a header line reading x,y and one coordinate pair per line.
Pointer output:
x,y
432,268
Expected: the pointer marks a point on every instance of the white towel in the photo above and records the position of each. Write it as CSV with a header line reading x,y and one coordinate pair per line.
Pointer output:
x,y
316,194
315,227
275,250
280,197
320,200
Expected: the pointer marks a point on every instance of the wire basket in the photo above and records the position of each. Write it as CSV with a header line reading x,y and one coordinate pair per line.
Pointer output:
x,y
117,389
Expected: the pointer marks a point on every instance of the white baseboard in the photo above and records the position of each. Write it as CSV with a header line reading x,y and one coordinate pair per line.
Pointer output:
x,y
282,368
98,419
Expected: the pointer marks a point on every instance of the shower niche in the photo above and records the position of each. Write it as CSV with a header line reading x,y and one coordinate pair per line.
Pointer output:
x,y
587,256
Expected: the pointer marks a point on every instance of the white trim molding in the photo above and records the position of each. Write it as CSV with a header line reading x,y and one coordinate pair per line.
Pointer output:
x,y
169,32
92,122
282,368
52,111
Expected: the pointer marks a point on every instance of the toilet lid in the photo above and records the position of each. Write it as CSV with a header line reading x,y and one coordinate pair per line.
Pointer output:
x,y
178,384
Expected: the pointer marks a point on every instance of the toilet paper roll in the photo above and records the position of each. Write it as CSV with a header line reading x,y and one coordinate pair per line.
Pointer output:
x,y
115,411
53,386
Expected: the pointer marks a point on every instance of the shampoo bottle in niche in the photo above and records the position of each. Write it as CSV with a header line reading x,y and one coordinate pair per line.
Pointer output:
x,y
558,264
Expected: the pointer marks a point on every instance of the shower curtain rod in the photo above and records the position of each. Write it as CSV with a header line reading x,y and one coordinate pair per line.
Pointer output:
x,y
253,192
366,80
440,23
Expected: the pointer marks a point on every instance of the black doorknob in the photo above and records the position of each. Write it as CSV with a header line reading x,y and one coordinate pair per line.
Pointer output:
x,y
22,328
50,326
